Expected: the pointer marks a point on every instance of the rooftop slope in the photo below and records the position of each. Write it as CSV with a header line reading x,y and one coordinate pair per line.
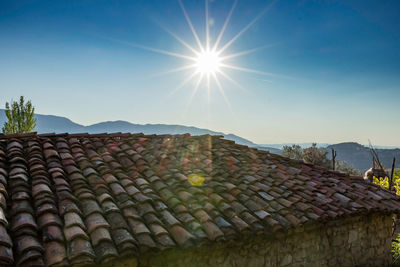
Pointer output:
x,y
68,199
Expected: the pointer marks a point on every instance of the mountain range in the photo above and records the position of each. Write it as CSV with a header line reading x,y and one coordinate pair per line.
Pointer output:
x,y
58,124
360,156
357,155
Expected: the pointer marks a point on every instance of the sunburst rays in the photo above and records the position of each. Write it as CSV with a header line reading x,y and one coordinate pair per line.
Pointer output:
x,y
208,61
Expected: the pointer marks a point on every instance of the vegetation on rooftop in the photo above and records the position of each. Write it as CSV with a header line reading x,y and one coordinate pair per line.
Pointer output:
x,y
317,156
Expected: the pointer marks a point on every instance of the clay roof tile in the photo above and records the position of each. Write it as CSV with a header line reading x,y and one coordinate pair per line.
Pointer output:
x,y
5,239
80,250
126,194
181,236
55,253
23,220
6,256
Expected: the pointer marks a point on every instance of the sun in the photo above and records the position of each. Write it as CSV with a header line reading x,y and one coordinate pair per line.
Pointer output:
x,y
208,62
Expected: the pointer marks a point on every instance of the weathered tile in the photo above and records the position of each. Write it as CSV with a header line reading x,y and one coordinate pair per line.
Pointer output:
x,y
31,257
6,256
55,253
27,243
23,220
94,221
99,235
181,236
48,218
73,232
80,248
52,233
5,239
105,252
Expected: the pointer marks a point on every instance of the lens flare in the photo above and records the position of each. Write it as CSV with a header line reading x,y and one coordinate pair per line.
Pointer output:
x,y
196,180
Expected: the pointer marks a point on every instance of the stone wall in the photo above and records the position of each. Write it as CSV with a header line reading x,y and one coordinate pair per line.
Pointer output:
x,y
360,240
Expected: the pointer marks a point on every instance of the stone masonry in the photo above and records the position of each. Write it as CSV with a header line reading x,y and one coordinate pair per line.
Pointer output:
x,y
355,241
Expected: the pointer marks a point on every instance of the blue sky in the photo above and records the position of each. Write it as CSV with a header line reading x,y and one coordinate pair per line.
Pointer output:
x,y
336,66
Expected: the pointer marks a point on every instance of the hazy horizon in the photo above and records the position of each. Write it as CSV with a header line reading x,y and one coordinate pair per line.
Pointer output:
x,y
273,145
327,71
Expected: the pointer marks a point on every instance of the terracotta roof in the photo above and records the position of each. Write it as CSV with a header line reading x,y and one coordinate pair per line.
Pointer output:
x,y
82,198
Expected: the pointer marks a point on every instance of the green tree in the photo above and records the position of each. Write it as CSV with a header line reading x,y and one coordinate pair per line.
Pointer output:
x,y
293,152
343,166
20,117
316,156
312,154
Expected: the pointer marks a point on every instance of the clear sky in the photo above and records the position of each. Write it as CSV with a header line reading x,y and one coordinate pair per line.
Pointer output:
x,y
335,66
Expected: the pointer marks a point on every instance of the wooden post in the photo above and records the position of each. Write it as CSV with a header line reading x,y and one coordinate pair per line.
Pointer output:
x,y
333,159
392,173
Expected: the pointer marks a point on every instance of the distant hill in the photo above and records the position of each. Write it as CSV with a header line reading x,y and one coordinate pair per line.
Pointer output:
x,y
58,124
302,145
270,149
359,156
50,123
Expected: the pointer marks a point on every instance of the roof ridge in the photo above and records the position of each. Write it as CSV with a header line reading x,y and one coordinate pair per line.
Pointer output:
x,y
35,134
